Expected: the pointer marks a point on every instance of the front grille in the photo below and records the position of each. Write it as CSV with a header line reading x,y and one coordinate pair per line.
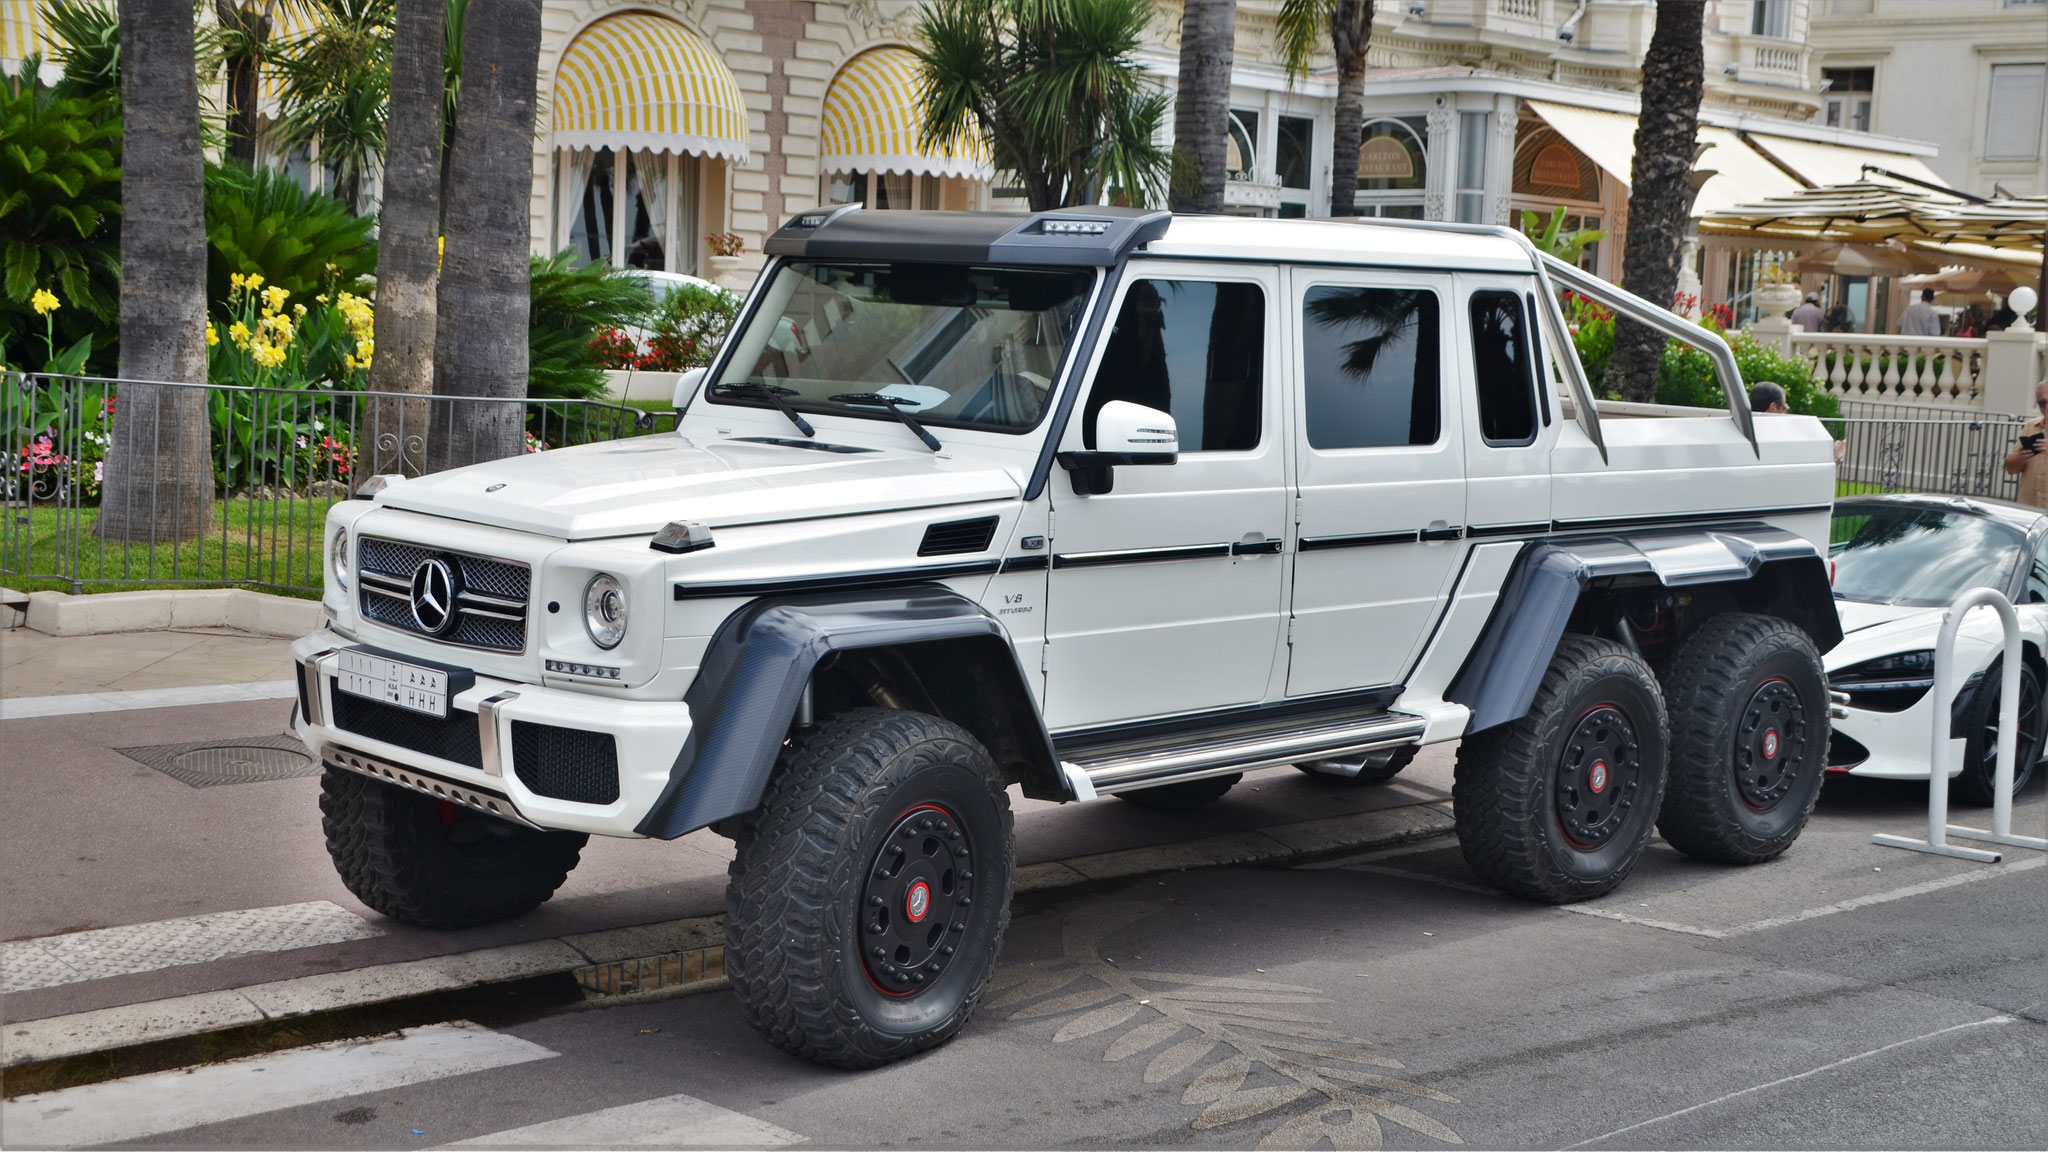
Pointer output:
x,y
566,763
490,608
455,738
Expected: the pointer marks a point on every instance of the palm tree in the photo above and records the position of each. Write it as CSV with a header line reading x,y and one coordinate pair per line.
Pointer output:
x,y
245,46
1300,28
1660,191
1055,88
480,339
337,79
409,223
1201,111
159,472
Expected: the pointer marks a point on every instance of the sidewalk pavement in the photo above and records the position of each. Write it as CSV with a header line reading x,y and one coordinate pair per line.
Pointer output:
x,y
238,916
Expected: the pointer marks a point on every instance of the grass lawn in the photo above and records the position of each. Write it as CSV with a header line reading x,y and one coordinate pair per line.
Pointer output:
x,y
269,545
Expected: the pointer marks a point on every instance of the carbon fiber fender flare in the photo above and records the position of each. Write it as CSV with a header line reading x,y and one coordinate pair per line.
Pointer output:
x,y
755,670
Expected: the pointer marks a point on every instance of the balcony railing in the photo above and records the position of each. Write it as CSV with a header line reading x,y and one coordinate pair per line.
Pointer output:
x,y
1939,370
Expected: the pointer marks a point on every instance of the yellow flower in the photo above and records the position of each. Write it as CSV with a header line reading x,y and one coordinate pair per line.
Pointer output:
x,y
212,337
235,280
239,333
267,355
348,362
254,281
299,310
45,301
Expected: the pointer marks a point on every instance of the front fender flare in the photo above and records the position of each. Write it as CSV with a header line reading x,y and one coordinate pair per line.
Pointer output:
x,y
755,670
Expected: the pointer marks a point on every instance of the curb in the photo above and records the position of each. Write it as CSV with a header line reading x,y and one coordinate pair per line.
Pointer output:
x,y
693,948
258,613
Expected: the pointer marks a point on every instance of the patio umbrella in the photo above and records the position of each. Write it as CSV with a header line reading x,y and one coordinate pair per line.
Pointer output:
x,y
1865,260
1863,211
1969,281
2014,223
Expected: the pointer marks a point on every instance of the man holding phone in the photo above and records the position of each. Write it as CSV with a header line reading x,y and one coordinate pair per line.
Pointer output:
x,y
2028,460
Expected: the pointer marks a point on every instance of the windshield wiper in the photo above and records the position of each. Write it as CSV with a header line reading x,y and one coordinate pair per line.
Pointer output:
x,y
773,394
891,402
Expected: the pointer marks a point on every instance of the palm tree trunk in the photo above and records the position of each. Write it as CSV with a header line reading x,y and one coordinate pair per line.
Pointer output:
x,y
1201,117
480,338
159,472
1350,36
1660,190
408,240
244,76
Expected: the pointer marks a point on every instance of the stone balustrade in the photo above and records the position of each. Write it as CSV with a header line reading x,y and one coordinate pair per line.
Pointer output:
x,y
1944,370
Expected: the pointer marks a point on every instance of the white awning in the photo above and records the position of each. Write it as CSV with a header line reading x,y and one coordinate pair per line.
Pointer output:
x,y
1822,164
1608,139
1742,175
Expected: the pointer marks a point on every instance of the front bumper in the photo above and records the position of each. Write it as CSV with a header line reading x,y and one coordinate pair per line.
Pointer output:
x,y
1896,743
479,759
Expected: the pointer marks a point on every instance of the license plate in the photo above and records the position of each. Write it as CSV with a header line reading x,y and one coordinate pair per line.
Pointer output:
x,y
409,686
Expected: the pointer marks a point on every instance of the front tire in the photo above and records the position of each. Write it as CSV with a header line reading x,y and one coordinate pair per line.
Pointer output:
x,y
1558,805
1749,738
1977,783
435,863
871,889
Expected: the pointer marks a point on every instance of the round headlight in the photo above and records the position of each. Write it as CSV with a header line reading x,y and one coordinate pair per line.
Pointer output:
x,y
604,610
339,559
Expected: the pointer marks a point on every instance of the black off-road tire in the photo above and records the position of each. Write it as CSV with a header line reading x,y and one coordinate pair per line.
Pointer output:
x,y
1379,767
435,863
1749,739
862,789
1977,783
1597,713
1184,796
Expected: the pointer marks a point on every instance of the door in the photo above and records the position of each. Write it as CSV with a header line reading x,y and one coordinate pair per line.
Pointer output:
x,y
1165,593
1379,465
1507,418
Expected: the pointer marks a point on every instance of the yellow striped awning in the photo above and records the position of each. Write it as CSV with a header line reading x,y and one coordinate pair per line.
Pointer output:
x,y
638,80
871,120
22,31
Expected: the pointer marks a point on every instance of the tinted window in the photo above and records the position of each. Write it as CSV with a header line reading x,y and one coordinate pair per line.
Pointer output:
x,y
1922,557
1192,348
1501,360
1369,366
2037,576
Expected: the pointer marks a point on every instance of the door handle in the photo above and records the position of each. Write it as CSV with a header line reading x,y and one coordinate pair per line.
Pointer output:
x,y
1271,547
1438,531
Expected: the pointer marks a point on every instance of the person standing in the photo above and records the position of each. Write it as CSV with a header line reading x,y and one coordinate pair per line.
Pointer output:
x,y
2028,460
1808,315
1767,397
1920,318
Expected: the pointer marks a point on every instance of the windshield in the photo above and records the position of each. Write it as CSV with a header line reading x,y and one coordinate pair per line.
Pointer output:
x,y
951,345
1920,557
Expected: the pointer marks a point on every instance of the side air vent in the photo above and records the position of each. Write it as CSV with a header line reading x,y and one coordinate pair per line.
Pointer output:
x,y
958,536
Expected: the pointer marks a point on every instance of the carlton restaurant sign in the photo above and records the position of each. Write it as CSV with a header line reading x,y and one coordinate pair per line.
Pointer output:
x,y
1385,158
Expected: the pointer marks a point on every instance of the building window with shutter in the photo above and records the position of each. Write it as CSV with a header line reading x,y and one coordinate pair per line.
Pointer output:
x,y
2012,125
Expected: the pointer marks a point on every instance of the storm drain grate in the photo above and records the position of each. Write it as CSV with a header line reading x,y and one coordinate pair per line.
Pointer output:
x,y
651,973
207,763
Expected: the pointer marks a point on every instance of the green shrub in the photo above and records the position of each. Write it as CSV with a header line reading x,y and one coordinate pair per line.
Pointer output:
x,y
689,324
1686,376
304,242
60,204
571,306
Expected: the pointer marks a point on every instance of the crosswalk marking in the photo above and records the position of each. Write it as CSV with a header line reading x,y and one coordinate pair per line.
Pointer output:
x,y
100,952
669,1122
186,1098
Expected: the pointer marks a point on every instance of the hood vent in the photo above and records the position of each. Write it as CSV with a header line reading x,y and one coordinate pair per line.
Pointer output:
x,y
956,537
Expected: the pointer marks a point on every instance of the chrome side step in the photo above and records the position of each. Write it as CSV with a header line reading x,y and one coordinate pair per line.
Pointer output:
x,y
1125,769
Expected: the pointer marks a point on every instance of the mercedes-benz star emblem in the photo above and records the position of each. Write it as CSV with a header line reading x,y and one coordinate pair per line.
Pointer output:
x,y
433,596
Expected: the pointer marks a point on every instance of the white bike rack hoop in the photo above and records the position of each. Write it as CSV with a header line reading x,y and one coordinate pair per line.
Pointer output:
x,y
1938,827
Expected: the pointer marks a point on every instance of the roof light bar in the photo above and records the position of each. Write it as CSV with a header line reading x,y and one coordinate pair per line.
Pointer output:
x,y
1074,227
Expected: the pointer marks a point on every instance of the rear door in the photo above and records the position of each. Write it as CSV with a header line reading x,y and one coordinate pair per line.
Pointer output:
x,y
1379,470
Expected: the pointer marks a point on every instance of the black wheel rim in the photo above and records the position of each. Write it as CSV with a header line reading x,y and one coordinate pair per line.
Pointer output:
x,y
1598,777
915,902
1771,756
2025,749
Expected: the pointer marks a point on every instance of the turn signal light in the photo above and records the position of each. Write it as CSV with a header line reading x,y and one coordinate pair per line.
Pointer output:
x,y
594,671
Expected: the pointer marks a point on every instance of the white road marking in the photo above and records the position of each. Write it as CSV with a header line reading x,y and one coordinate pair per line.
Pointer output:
x,y
1970,877
1645,921
186,1098
101,952
1846,1060
77,703
669,1122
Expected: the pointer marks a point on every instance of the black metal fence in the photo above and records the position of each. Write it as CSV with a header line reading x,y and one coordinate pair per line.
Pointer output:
x,y
1961,455
196,484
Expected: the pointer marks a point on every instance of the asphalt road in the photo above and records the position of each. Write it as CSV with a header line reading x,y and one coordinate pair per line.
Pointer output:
x,y
1846,995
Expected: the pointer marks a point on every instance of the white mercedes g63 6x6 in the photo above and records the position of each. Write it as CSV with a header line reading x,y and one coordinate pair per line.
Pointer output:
x,y
1089,501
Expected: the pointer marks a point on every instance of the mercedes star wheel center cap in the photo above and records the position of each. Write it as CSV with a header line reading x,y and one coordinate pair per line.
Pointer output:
x,y
433,596
1598,781
917,902
1771,744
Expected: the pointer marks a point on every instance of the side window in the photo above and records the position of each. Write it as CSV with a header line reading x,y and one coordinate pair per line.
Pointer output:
x,y
2037,575
1501,362
1193,348
1370,366
1544,367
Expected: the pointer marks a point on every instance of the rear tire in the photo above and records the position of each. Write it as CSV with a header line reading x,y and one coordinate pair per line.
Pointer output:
x,y
871,889
435,863
1378,767
1749,738
1558,805
1977,783
1184,796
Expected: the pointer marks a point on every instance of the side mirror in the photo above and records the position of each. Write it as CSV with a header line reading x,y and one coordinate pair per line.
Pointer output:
x,y
1125,433
686,387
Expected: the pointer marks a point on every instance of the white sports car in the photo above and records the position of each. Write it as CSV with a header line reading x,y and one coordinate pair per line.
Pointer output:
x,y
1897,562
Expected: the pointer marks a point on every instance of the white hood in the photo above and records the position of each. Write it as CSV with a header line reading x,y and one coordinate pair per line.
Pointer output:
x,y
1857,615
633,487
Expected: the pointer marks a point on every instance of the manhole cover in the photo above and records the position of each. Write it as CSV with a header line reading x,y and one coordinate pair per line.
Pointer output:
x,y
205,764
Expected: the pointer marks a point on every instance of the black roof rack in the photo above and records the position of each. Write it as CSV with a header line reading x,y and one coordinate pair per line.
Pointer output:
x,y
1091,237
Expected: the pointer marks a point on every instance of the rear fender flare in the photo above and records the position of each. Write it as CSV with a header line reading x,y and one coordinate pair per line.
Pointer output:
x,y
754,673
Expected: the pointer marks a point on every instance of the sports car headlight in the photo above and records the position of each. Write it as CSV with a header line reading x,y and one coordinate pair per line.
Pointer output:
x,y
1889,683
604,610
339,559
